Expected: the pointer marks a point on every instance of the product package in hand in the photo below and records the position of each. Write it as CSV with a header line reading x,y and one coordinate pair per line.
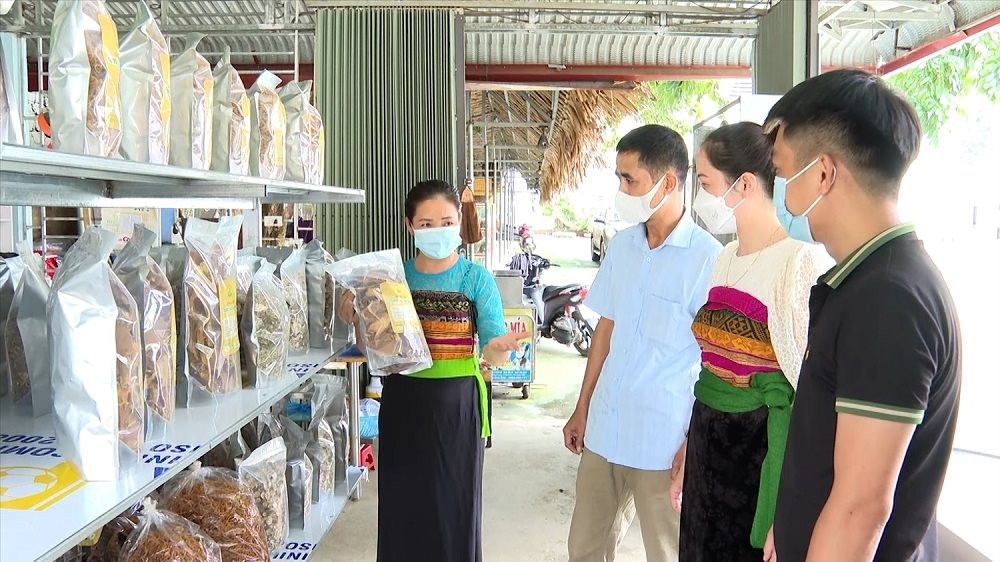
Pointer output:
x,y
390,328
163,536
26,345
192,95
96,348
264,329
267,128
145,85
150,287
230,120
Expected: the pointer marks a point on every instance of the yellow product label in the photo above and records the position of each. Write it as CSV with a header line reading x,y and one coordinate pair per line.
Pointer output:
x,y
279,137
399,303
93,538
164,59
244,147
173,332
227,308
36,488
112,88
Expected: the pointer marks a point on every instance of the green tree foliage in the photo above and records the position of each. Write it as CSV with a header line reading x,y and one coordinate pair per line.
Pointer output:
x,y
680,104
936,86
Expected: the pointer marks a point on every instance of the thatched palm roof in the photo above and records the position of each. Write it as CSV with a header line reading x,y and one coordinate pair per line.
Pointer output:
x,y
552,154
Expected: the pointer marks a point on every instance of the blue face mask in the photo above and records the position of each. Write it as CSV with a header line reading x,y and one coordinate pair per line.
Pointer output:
x,y
437,243
797,226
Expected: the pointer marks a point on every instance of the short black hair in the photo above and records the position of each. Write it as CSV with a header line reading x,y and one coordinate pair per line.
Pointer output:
x,y
659,148
856,116
429,189
739,148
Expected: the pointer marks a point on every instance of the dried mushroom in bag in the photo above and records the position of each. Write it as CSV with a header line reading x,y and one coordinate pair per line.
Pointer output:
x,y
192,93
145,86
26,345
85,79
163,536
263,473
267,128
264,329
150,287
390,328
215,500
213,349
230,120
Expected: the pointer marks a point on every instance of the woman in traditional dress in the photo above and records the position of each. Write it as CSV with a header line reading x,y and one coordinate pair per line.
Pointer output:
x,y
752,333
433,423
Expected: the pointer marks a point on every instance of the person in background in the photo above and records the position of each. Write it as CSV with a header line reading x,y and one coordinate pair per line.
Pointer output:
x,y
752,333
432,423
877,402
635,401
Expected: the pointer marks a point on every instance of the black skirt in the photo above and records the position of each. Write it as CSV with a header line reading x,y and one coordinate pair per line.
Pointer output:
x,y
721,480
430,471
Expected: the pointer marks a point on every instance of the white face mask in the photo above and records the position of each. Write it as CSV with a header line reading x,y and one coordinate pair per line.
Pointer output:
x,y
636,208
713,211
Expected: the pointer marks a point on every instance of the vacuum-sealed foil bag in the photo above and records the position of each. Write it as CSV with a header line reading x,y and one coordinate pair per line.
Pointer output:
x,y
305,135
85,79
173,260
230,121
192,91
321,291
267,128
145,83
25,343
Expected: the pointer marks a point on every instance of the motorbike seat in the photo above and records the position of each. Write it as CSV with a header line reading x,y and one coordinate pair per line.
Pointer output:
x,y
550,292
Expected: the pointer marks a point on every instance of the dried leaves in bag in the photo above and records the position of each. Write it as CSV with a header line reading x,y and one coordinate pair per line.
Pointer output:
x,y
192,92
213,350
263,473
298,473
145,85
292,270
215,500
264,329
267,128
85,79
163,536
230,120
149,286
390,328
305,136
26,346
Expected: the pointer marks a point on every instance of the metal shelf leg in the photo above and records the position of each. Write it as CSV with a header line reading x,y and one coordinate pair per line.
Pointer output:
x,y
354,403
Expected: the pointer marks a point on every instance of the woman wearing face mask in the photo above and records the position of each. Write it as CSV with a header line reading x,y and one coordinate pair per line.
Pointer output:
x,y
432,423
752,332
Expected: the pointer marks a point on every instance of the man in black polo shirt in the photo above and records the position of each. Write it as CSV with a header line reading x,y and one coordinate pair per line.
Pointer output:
x,y
875,410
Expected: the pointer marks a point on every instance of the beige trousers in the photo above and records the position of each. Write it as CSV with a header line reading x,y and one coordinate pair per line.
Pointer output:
x,y
608,497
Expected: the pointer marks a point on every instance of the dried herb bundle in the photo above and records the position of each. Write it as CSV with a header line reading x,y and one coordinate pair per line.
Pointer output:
x,y
163,536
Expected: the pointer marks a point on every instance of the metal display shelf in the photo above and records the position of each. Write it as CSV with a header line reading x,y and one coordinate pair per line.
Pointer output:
x,y
302,542
42,496
39,177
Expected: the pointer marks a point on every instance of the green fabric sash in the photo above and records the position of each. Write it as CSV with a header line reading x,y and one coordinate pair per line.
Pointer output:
x,y
766,389
455,368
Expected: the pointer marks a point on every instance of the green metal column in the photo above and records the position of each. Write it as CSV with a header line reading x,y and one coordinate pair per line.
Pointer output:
x,y
787,48
386,84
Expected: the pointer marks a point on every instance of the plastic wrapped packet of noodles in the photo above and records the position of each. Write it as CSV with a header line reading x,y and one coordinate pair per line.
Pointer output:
x,y
267,128
263,473
390,328
192,91
305,135
95,340
25,340
216,500
321,294
85,79
213,345
150,287
264,329
145,84
163,536
11,267
172,260
292,270
230,120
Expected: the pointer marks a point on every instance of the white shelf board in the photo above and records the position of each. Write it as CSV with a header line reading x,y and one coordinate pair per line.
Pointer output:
x,y
69,509
39,177
302,542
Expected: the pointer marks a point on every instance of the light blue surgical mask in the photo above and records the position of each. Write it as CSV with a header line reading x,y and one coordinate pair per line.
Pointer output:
x,y
437,243
797,226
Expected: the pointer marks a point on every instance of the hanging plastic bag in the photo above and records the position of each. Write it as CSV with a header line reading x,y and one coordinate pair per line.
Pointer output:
x,y
173,260
213,346
305,135
163,536
230,120
215,500
292,270
263,473
149,286
85,79
267,128
97,382
145,83
321,293
298,474
25,340
192,93
264,329
390,328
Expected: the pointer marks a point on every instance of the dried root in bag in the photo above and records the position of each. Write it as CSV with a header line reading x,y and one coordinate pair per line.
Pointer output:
x,y
215,500
267,128
192,92
390,328
163,536
263,473
145,85
129,364
264,329
26,345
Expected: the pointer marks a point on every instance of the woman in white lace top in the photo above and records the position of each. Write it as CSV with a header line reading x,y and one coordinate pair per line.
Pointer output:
x,y
752,332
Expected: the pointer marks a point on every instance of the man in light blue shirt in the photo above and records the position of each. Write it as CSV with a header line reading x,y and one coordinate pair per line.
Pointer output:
x,y
637,394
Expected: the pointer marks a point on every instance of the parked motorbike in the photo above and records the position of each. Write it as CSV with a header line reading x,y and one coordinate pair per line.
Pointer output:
x,y
558,314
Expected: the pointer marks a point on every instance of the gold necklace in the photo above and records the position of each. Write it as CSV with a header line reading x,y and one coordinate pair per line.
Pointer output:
x,y
758,253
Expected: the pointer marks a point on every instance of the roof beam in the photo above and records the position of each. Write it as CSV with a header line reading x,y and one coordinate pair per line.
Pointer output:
x,y
607,7
888,16
711,29
535,73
